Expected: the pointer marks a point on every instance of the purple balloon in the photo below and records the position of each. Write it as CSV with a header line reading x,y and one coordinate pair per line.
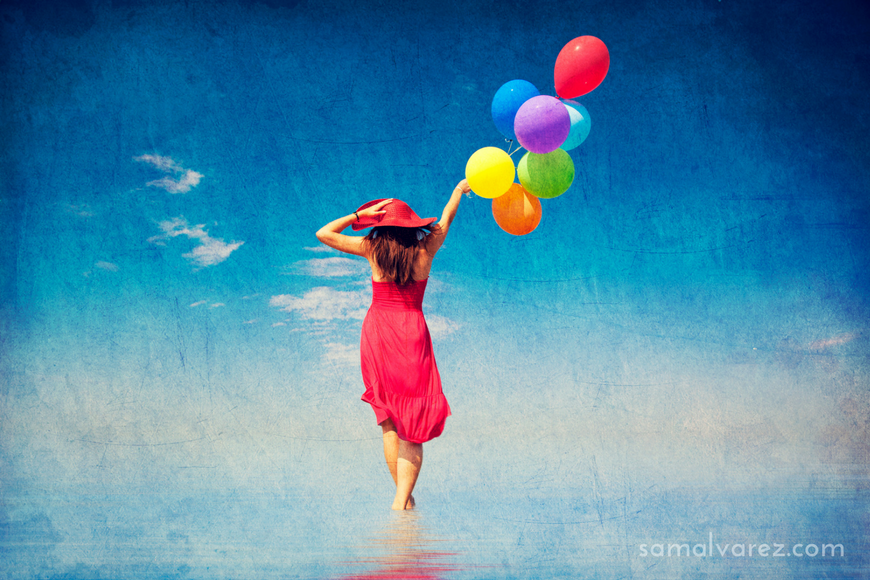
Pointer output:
x,y
542,124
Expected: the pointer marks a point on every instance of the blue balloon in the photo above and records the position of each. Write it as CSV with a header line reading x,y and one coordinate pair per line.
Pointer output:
x,y
507,101
581,124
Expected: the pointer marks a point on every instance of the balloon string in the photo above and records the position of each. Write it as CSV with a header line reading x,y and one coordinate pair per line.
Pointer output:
x,y
510,143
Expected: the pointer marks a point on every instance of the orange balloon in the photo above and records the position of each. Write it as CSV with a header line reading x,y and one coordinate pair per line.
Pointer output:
x,y
517,212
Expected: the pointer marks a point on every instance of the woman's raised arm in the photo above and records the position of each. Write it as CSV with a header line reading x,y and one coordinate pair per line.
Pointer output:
x,y
439,230
331,235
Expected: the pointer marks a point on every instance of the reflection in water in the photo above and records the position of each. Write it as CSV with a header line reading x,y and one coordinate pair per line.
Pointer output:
x,y
405,548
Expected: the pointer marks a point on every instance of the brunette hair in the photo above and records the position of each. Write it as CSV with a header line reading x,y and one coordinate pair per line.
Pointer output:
x,y
394,249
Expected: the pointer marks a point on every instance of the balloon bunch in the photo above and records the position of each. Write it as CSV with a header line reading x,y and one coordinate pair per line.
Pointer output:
x,y
547,128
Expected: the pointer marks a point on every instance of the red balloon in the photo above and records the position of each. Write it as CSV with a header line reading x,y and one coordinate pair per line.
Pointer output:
x,y
581,66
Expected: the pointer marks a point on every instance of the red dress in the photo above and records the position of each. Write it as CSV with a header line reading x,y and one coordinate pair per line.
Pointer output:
x,y
398,366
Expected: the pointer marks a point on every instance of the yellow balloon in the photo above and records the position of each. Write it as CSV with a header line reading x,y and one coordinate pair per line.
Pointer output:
x,y
490,172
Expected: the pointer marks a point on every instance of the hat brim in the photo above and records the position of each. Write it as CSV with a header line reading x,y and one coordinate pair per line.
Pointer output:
x,y
383,220
372,223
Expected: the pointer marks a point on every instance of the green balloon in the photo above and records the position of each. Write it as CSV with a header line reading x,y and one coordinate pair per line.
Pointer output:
x,y
546,175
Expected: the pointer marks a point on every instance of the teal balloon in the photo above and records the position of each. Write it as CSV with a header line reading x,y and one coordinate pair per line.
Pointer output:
x,y
581,124
546,175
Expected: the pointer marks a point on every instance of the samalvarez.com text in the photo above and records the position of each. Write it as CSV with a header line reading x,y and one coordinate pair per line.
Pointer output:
x,y
741,550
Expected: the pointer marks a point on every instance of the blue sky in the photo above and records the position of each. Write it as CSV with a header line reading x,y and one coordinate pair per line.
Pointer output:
x,y
694,308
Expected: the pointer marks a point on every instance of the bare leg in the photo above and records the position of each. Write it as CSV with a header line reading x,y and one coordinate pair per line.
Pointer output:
x,y
407,469
391,447
391,453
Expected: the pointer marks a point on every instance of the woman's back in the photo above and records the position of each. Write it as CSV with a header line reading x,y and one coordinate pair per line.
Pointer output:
x,y
421,264
402,254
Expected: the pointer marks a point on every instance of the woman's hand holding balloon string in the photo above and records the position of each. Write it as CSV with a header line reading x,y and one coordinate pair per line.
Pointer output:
x,y
440,228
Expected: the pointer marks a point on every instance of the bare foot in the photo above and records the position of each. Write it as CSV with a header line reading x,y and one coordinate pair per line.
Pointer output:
x,y
409,505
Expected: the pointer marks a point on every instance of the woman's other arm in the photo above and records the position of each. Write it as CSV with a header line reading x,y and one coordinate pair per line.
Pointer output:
x,y
331,235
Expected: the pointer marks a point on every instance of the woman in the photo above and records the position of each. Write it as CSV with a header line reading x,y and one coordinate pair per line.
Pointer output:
x,y
399,371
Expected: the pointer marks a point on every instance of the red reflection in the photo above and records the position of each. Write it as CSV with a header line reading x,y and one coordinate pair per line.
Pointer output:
x,y
406,552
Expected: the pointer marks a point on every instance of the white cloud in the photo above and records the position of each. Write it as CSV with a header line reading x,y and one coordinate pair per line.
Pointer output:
x,y
180,181
440,326
252,321
342,354
164,164
217,305
200,303
834,341
332,267
107,266
274,324
321,249
211,250
182,185
325,303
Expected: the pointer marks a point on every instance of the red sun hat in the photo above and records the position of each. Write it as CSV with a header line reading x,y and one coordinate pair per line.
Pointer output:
x,y
398,214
